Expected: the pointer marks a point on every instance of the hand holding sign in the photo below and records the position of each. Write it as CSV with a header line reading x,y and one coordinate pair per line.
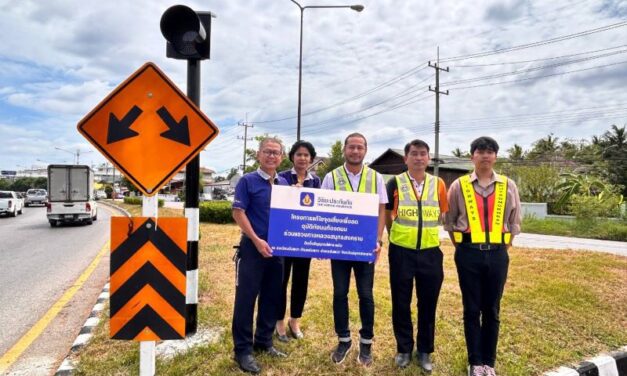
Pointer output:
x,y
315,223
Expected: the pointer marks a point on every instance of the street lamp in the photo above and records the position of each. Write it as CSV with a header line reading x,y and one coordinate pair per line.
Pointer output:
x,y
76,154
356,8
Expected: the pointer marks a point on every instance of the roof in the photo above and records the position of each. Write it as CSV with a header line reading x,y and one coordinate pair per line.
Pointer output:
x,y
447,162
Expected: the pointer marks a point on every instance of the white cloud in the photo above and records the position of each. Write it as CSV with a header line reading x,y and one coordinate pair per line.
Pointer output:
x,y
59,59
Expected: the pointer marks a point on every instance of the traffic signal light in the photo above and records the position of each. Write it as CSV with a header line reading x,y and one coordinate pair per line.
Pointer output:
x,y
187,32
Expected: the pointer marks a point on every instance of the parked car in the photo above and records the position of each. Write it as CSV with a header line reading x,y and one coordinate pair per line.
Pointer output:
x,y
101,195
36,197
10,203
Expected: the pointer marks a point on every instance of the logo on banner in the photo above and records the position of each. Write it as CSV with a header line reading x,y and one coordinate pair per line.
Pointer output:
x,y
307,199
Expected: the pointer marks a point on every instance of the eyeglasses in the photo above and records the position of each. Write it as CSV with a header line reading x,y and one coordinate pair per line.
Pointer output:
x,y
273,153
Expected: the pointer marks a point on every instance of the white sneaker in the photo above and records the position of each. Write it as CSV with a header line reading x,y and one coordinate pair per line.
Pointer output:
x,y
489,371
476,371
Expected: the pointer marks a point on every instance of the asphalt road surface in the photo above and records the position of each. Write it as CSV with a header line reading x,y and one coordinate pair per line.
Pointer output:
x,y
37,265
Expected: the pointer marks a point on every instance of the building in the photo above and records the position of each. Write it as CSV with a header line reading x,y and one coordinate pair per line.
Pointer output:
x,y
177,183
391,162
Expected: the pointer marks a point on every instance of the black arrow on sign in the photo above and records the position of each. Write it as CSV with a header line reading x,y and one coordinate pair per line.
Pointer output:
x,y
147,318
120,129
178,131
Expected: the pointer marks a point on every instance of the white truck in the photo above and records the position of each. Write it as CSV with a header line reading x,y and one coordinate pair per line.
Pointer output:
x,y
10,203
71,195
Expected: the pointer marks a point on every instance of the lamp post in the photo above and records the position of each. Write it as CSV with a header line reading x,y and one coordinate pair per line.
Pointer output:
x,y
356,8
76,154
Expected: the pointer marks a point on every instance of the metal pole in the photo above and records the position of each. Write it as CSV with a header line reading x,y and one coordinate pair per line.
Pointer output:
x,y
436,156
436,165
192,181
300,72
147,348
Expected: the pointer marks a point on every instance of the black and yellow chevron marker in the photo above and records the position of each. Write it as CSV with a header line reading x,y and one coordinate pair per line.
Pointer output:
x,y
148,281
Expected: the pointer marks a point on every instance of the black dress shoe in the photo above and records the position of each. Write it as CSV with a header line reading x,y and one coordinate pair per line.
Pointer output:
x,y
424,359
281,337
247,363
271,351
402,359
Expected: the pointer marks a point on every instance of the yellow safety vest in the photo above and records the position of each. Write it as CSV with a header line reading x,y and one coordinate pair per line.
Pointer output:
x,y
493,232
367,181
408,223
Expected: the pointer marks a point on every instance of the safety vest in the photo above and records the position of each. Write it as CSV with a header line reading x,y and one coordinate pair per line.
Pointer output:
x,y
486,215
367,181
416,216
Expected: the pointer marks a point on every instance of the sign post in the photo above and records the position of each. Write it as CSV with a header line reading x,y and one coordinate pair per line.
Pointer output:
x,y
132,127
188,38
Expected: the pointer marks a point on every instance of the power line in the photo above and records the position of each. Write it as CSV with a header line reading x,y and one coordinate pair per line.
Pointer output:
x,y
535,44
536,60
537,77
385,84
520,71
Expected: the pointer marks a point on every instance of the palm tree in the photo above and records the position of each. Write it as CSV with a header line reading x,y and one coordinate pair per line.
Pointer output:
x,y
457,152
516,153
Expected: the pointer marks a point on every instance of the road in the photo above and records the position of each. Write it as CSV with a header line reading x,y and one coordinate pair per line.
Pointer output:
x,y
37,265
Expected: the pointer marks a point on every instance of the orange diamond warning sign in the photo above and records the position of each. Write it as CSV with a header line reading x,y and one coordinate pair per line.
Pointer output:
x,y
148,129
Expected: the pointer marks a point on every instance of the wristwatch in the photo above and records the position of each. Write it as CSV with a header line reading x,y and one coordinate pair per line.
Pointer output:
x,y
380,242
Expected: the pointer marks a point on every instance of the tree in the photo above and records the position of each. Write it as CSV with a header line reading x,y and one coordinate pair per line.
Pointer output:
x,y
457,152
251,155
232,173
535,183
613,145
545,148
515,153
336,159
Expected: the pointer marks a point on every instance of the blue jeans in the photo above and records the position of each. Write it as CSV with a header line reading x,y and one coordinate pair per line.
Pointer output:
x,y
364,278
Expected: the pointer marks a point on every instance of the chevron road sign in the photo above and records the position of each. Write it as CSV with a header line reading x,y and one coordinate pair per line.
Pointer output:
x,y
148,281
148,129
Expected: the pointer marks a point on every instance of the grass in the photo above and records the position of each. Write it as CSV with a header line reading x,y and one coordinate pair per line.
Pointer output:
x,y
558,308
591,229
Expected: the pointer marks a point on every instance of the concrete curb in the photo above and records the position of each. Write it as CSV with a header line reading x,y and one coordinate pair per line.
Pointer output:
x,y
86,332
614,364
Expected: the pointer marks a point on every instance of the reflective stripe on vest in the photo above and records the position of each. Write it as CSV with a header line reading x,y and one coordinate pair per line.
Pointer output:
x,y
366,185
479,235
407,224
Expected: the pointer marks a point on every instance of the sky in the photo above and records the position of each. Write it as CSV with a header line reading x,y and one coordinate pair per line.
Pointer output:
x,y
518,71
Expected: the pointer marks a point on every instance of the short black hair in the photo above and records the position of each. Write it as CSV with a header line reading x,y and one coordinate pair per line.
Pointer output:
x,y
416,143
484,143
302,144
356,134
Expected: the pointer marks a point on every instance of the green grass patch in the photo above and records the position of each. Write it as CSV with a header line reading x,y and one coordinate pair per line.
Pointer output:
x,y
590,229
558,307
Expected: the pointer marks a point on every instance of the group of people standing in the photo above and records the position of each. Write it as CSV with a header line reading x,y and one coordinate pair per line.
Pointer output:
x,y
481,212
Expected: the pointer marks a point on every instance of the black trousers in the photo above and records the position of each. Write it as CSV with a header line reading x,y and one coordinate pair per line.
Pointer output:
x,y
482,276
425,268
364,279
298,267
256,277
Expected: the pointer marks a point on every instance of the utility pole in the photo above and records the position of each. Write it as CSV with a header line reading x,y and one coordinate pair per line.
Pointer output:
x,y
436,66
246,125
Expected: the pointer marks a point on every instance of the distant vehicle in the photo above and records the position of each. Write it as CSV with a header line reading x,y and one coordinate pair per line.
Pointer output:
x,y
101,195
10,203
71,197
36,197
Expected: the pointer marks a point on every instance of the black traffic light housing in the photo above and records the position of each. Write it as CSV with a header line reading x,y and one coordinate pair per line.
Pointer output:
x,y
187,32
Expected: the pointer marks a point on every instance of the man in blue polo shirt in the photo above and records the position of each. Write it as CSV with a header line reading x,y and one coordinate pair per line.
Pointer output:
x,y
258,274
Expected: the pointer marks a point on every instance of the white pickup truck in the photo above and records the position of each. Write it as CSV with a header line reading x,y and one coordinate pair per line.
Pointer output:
x,y
71,195
10,203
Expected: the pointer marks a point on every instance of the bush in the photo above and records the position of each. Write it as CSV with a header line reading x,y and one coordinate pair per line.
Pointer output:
x,y
137,200
587,208
216,212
